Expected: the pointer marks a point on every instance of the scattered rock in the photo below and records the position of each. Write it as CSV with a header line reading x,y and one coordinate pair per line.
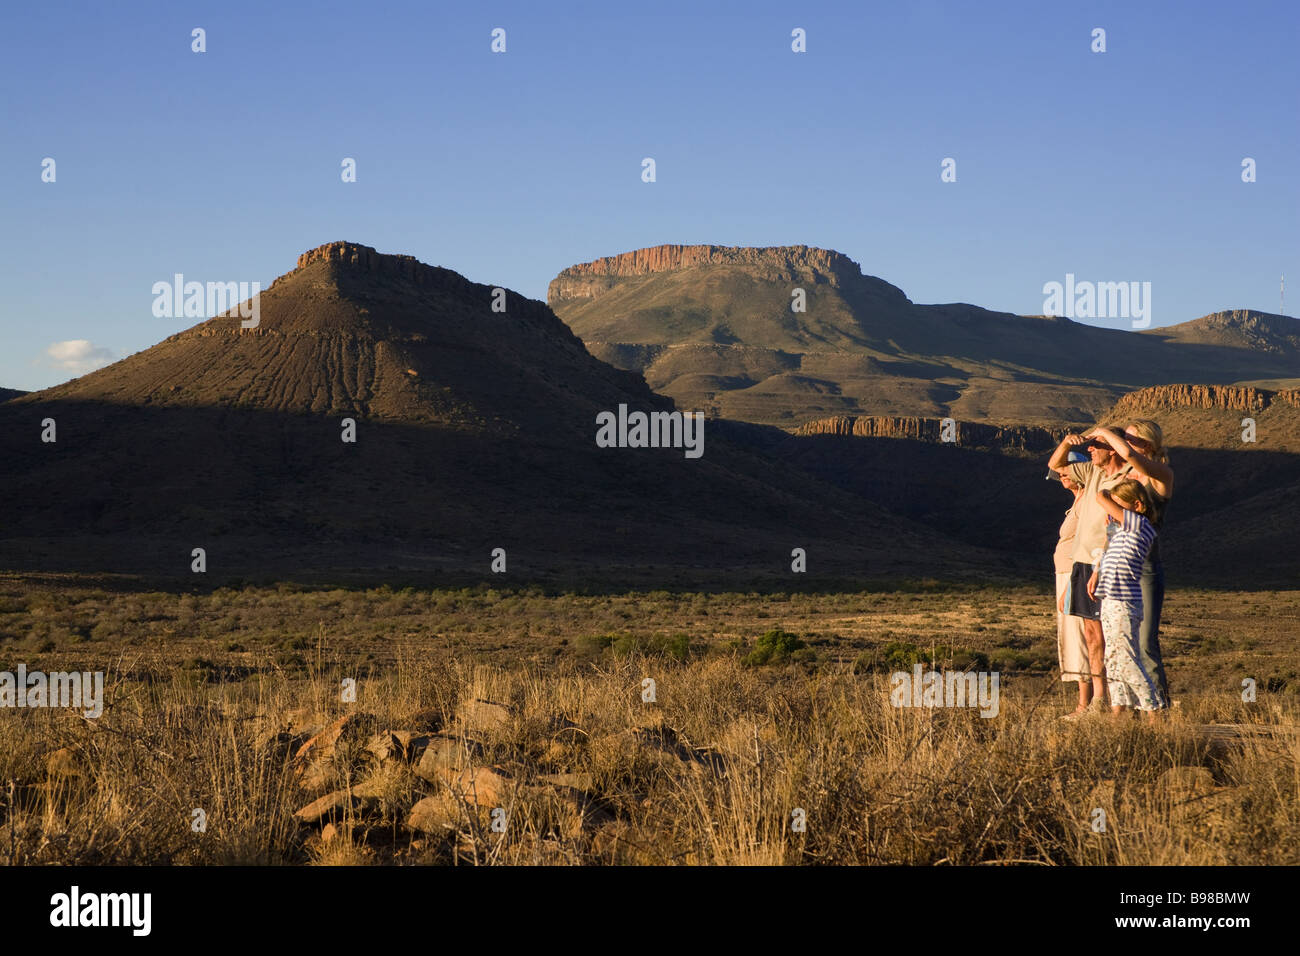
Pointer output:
x,y
427,721
483,786
436,814
482,716
661,745
316,777
404,745
301,720
376,788
336,749
347,729
413,744
443,757
335,805
385,746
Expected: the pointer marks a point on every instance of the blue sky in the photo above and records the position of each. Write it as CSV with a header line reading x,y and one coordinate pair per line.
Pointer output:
x,y
225,165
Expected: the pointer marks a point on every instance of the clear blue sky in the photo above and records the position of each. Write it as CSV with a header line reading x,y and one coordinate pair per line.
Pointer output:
x,y
507,168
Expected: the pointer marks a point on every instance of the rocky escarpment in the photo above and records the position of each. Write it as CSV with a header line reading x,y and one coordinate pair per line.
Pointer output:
x,y
970,434
358,259
1235,398
589,279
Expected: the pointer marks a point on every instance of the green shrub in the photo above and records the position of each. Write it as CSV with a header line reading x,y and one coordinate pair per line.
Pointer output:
x,y
775,647
674,646
903,656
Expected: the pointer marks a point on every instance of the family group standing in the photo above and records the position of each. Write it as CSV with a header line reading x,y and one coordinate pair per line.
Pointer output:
x,y
1110,581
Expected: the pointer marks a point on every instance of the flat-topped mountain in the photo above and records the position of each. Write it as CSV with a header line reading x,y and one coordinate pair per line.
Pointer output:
x,y
475,429
627,295
713,328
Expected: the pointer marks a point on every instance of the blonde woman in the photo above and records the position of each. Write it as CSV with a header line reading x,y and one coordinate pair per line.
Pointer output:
x,y
1071,646
1142,446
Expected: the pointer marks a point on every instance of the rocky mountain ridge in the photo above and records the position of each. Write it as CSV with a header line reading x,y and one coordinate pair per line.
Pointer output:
x,y
1223,397
589,279
725,329
967,434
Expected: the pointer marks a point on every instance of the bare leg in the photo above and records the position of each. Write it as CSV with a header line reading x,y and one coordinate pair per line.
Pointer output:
x,y
1092,636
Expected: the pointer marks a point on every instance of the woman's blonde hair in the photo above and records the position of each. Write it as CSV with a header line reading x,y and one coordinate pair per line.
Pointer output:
x,y
1154,435
1132,491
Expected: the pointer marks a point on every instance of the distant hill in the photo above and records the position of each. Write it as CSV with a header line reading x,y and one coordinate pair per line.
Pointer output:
x,y
712,327
475,430
1234,516
1259,332
8,393
1231,522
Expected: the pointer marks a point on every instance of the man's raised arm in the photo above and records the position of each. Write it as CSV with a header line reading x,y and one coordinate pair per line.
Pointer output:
x,y
1061,457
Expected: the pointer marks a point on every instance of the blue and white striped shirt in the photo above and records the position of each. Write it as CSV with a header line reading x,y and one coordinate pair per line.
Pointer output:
x,y
1119,574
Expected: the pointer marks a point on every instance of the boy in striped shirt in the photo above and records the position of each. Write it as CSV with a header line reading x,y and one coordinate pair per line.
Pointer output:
x,y
1117,581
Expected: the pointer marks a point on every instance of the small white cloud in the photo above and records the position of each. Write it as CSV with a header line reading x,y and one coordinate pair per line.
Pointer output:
x,y
78,356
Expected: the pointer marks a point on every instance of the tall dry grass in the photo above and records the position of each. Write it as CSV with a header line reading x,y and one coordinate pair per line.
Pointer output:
x,y
712,772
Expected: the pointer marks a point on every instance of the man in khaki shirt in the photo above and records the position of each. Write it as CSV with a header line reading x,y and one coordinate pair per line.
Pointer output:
x,y
1104,470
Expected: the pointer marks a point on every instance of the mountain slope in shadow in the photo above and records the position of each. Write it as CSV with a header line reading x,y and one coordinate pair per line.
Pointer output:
x,y
475,430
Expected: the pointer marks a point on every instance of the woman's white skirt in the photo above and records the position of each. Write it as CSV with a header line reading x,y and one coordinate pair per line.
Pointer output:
x,y
1071,648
